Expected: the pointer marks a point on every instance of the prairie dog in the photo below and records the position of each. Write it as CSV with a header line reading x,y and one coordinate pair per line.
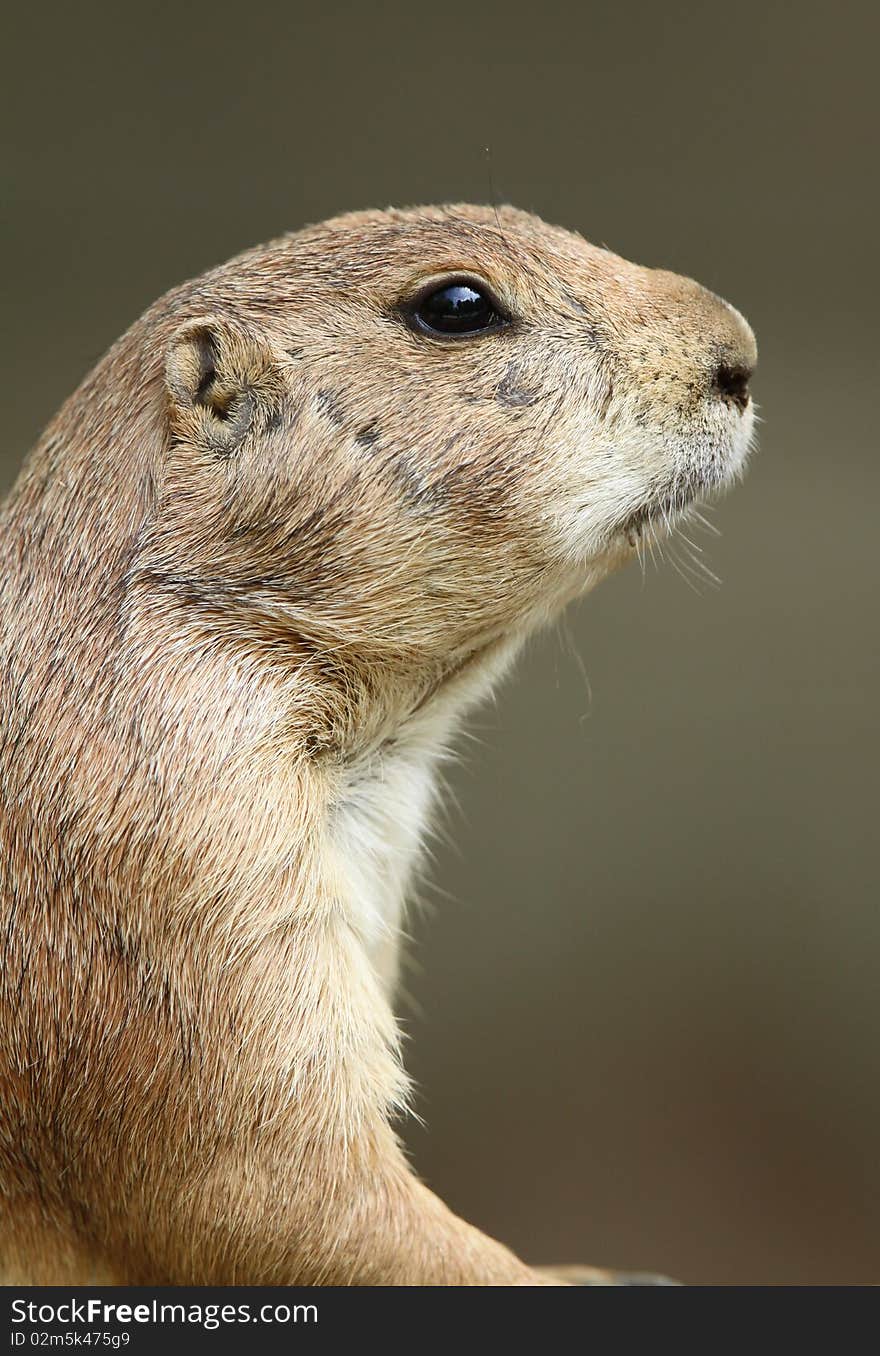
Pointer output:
x,y
294,523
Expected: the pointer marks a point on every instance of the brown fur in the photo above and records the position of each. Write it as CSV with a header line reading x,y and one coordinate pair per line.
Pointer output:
x,y
271,539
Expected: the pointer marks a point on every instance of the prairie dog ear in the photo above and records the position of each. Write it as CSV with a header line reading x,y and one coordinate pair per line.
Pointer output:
x,y
221,381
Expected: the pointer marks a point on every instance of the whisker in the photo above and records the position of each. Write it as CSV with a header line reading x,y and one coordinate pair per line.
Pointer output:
x,y
705,523
682,571
569,645
703,571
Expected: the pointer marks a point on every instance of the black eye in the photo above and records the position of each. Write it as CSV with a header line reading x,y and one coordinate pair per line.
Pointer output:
x,y
456,308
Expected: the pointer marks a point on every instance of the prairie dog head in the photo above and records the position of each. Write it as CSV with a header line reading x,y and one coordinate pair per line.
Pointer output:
x,y
415,432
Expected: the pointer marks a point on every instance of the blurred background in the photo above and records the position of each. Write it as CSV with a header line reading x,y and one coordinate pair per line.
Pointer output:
x,y
644,1010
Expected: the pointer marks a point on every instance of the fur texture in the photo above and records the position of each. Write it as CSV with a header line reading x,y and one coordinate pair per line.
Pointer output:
x,y
253,574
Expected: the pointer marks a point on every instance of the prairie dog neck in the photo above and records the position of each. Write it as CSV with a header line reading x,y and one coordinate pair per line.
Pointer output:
x,y
381,812
376,833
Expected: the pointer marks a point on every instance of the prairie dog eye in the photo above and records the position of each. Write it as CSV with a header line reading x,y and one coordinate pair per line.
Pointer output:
x,y
458,308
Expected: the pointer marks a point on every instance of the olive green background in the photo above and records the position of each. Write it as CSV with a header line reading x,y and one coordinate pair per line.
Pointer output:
x,y
644,1012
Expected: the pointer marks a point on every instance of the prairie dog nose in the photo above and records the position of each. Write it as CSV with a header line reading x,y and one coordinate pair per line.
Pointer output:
x,y
735,355
730,381
686,337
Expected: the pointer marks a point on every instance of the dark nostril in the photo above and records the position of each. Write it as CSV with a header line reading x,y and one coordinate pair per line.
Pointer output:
x,y
731,383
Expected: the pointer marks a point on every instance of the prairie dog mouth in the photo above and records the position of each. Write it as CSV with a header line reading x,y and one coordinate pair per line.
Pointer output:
x,y
664,507
713,470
